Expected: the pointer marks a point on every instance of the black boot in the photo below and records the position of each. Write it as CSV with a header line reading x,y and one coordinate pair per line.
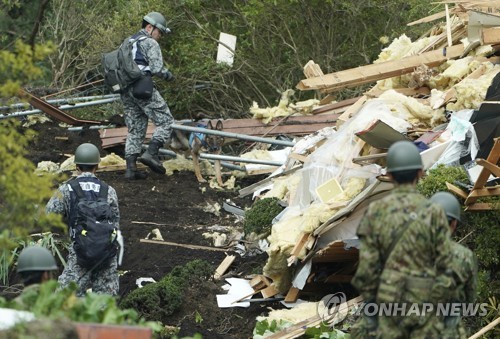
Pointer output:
x,y
131,173
150,157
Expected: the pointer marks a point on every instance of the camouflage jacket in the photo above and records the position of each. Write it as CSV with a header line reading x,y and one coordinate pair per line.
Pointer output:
x,y
60,202
422,251
150,50
464,265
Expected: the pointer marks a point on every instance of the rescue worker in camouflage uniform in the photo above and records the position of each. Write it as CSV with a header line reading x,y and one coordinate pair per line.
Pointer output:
x,y
35,265
148,56
463,265
404,253
104,279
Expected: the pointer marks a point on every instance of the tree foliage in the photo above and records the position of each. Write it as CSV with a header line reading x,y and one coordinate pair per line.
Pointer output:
x,y
275,39
23,194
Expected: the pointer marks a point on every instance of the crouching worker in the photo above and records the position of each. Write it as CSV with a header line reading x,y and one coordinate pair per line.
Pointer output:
x,y
35,265
90,208
463,265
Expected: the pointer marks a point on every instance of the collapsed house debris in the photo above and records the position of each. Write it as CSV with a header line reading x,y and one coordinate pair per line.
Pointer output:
x,y
430,97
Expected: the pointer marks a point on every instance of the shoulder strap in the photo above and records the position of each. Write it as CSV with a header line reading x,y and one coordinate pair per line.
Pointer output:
x,y
400,235
75,185
103,191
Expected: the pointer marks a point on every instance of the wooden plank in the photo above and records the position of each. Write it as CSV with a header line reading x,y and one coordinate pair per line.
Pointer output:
x,y
457,191
384,70
224,265
485,192
493,158
193,247
292,295
269,291
335,105
490,35
259,282
479,206
494,169
375,92
352,110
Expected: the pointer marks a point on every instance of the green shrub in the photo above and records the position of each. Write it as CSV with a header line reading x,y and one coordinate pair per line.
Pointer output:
x,y
159,300
436,179
259,218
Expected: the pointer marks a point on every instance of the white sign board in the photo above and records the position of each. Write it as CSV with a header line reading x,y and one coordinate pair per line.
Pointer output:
x,y
227,46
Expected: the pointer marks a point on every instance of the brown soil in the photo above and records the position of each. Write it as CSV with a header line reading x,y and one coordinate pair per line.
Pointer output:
x,y
174,204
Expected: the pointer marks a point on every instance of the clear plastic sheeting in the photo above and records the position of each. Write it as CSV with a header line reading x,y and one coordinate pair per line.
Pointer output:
x,y
463,139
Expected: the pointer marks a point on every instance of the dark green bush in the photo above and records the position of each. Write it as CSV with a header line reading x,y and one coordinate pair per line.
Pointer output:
x,y
159,300
259,218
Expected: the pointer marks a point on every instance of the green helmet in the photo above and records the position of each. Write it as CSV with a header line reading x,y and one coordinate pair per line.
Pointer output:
x,y
449,203
87,154
158,21
35,258
402,156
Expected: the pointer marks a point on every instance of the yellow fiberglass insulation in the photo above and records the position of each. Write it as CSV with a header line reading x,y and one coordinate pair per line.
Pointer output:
x,y
402,47
112,160
419,113
286,232
283,187
294,315
453,71
471,92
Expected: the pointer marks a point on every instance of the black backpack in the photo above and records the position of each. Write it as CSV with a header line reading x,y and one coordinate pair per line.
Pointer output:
x,y
93,233
120,69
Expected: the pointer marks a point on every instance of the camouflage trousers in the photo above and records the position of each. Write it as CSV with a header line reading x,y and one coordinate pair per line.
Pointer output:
x,y
137,114
396,327
102,281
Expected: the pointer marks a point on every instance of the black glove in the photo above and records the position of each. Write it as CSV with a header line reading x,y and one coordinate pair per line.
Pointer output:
x,y
167,75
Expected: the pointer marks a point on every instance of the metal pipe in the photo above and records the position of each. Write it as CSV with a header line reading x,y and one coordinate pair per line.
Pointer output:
x,y
233,135
66,100
172,154
238,159
81,128
63,107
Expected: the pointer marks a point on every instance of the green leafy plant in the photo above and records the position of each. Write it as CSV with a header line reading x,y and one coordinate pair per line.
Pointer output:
x,y
50,301
159,300
258,219
197,317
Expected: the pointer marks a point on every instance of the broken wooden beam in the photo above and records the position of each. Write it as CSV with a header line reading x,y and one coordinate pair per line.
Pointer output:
x,y
193,247
224,265
384,70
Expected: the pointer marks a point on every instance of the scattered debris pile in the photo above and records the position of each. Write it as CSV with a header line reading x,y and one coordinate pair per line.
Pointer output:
x,y
433,92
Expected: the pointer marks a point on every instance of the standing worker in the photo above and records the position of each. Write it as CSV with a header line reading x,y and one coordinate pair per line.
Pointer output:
x,y
139,107
463,264
405,247
101,276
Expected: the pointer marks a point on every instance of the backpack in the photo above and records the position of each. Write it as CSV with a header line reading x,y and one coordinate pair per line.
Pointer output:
x,y
120,69
93,234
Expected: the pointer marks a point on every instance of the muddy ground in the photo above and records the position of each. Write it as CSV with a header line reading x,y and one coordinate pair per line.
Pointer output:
x,y
175,205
